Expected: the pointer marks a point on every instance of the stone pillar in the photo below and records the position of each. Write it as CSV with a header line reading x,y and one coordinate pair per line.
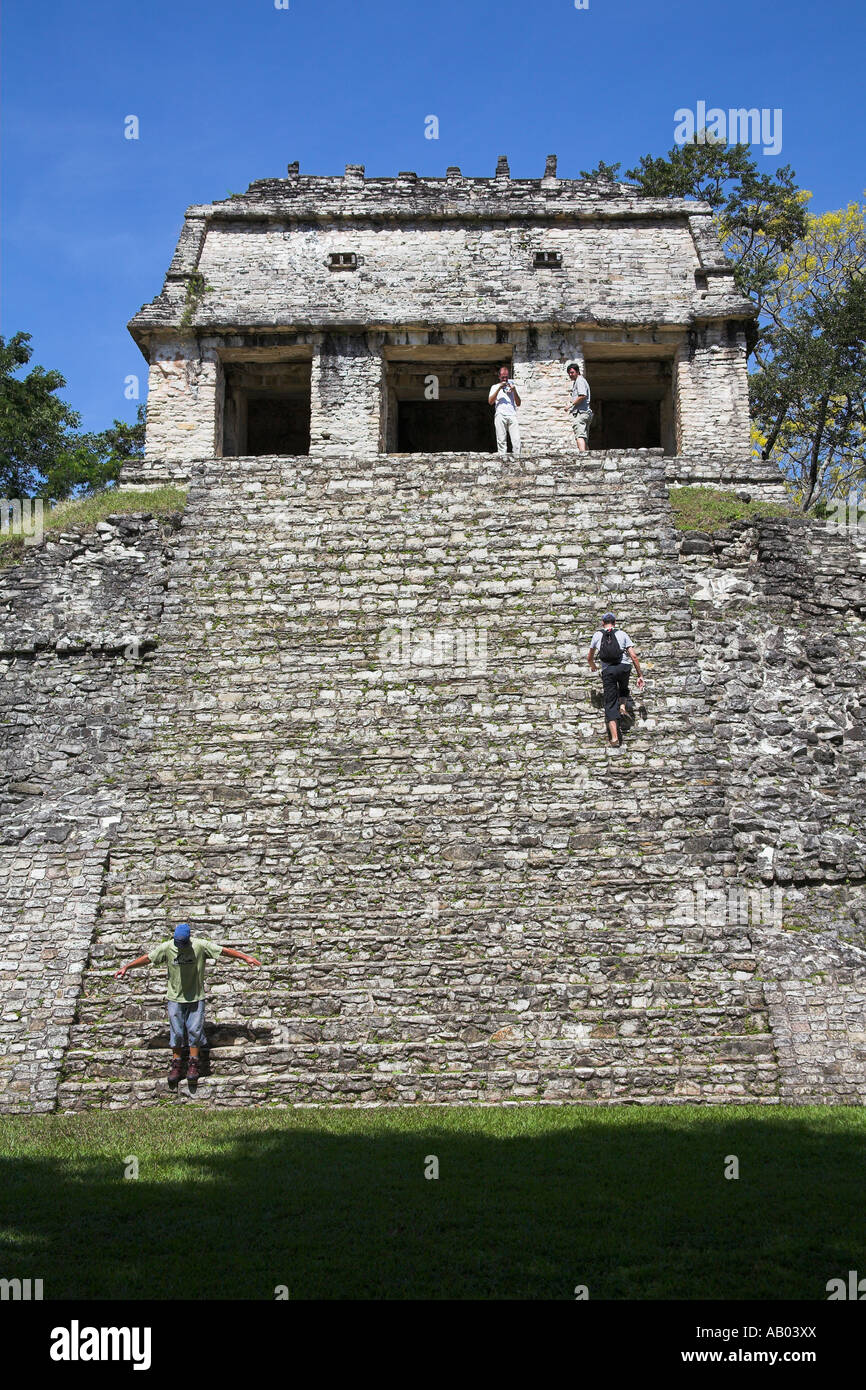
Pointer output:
x,y
347,395
711,393
540,359
182,411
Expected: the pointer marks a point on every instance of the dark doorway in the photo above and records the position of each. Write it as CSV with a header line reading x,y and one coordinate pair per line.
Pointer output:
x,y
445,427
632,403
628,425
267,407
277,424
437,402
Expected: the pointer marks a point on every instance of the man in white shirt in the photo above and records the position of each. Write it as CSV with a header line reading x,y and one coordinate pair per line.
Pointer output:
x,y
579,404
504,398
616,653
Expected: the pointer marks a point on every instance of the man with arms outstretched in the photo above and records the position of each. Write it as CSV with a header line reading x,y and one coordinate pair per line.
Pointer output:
x,y
185,959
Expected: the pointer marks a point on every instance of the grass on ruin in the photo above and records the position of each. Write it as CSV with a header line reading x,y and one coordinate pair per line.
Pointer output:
x,y
710,509
530,1202
82,514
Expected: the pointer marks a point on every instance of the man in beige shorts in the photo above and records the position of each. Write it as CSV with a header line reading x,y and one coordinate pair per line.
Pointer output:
x,y
579,405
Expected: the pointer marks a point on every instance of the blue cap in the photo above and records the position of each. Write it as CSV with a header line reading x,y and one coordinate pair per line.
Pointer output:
x,y
608,618
181,933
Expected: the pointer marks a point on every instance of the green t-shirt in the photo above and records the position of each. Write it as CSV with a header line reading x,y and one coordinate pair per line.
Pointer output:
x,y
185,966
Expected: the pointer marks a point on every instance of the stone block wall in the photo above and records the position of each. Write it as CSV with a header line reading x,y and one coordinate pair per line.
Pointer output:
x,y
347,414
276,272
711,393
458,894
540,359
780,614
349,410
78,624
185,400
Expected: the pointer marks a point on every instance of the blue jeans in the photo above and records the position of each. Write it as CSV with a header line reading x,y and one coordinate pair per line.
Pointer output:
x,y
190,1014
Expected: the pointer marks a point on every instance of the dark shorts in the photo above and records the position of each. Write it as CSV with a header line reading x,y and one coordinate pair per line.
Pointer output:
x,y
614,681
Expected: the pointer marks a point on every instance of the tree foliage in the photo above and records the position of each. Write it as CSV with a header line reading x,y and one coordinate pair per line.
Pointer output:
x,y
607,172
91,462
758,216
805,275
43,453
35,425
809,392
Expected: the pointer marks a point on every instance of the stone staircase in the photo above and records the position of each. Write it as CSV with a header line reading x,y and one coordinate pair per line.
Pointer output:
x,y
374,761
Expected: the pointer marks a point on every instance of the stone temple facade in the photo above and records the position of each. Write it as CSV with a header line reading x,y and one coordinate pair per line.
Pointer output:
x,y
320,315
337,712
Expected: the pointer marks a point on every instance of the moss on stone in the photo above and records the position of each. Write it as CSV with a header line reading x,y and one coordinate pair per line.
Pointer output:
x,y
82,515
711,509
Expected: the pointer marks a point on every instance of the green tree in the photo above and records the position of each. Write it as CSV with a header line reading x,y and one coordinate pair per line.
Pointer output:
x,y
35,426
808,402
758,217
90,462
805,276
609,172
42,452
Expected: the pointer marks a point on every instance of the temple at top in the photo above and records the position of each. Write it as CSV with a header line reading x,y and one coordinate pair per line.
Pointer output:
x,y
355,316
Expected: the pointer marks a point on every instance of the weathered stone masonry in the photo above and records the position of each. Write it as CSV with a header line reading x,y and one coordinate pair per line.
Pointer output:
x,y
339,712
779,615
80,621
253,320
431,861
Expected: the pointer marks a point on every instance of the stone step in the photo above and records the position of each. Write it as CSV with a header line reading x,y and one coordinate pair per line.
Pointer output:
x,y
289,782
339,977
522,878
546,1056
598,984
629,1083
144,1026
442,933
572,745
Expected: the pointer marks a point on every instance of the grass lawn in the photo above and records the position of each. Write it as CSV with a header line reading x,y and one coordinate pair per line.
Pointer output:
x,y
529,1202
82,514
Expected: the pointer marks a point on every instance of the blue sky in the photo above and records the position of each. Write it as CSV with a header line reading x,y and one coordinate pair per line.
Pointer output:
x,y
227,91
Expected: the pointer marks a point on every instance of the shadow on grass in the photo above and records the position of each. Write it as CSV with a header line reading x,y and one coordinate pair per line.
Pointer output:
x,y
528,1204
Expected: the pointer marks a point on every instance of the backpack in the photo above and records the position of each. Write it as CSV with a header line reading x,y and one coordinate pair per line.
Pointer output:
x,y
610,651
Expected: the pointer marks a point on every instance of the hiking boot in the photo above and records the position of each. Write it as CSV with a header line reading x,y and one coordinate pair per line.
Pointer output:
x,y
192,1071
174,1071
